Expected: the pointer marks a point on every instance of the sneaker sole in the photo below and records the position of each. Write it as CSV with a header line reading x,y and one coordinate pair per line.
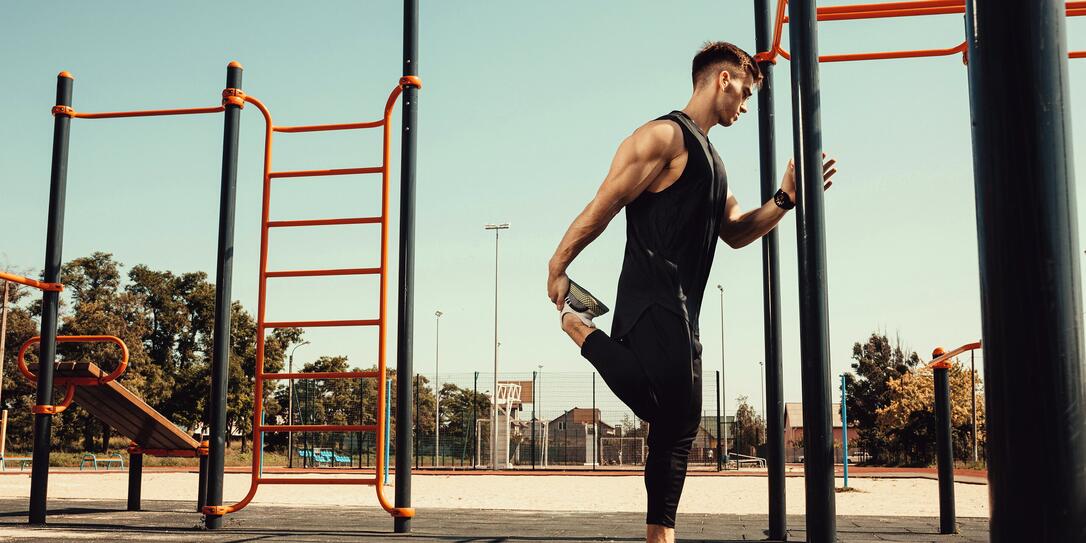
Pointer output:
x,y
590,305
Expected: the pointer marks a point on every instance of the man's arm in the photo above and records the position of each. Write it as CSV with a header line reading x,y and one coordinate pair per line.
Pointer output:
x,y
739,228
638,161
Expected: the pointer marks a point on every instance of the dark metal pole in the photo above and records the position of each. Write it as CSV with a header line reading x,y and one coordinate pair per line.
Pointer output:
x,y
406,295
201,492
416,428
595,425
533,417
719,436
973,400
813,302
47,349
944,447
1031,294
224,272
135,480
475,422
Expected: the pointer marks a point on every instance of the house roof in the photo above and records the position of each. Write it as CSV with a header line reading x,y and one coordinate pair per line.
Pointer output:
x,y
793,414
583,415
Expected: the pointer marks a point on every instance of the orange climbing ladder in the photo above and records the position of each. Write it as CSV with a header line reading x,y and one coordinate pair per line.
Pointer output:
x,y
263,325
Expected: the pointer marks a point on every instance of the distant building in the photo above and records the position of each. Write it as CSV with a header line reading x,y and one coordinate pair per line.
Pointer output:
x,y
793,424
570,436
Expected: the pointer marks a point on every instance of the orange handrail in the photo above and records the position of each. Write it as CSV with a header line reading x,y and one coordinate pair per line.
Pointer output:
x,y
942,358
41,285
263,324
71,382
886,10
84,381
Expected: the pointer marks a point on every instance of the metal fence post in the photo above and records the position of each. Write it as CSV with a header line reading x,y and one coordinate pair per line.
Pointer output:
x,y
944,445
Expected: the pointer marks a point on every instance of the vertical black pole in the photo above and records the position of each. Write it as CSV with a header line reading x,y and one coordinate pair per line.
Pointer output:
x,y
944,448
405,300
47,350
201,492
1029,270
135,480
719,435
533,418
224,271
813,303
771,290
475,422
595,425
415,433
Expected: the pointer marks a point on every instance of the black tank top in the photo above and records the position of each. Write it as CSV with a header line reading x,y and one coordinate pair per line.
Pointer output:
x,y
671,237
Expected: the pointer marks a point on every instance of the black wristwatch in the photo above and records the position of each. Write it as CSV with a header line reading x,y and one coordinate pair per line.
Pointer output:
x,y
783,201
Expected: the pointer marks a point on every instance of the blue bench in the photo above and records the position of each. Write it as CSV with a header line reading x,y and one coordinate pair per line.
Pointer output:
x,y
114,458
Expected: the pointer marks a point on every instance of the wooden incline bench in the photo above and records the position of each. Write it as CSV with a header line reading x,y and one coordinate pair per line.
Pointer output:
x,y
150,432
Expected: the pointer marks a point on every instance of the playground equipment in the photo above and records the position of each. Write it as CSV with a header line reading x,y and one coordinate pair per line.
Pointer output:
x,y
1025,235
944,436
87,384
109,401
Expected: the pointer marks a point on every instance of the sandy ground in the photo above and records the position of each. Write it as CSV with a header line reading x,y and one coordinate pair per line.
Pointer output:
x,y
732,495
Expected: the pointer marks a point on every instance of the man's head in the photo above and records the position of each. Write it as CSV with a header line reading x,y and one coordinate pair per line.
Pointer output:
x,y
729,75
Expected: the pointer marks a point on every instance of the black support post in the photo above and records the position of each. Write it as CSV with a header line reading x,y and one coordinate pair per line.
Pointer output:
x,y
1029,253
533,417
201,492
771,289
944,447
135,480
224,271
47,348
406,294
813,302
719,434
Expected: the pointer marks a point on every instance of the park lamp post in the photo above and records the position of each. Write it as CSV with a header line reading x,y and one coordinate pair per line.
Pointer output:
x,y
497,228
290,405
437,385
722,382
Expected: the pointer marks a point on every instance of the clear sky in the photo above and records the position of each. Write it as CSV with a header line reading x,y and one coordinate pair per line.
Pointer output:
x,y
523,106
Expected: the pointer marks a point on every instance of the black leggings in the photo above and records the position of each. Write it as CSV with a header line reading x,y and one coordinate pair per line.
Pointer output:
x,y
655,369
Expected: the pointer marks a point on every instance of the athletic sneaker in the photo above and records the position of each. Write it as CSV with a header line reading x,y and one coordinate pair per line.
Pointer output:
x,y
583,304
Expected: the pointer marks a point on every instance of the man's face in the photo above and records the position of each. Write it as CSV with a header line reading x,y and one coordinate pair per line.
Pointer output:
x,y
735,90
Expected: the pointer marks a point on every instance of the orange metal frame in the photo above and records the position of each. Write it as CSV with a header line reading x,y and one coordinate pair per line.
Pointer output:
x,y
40,285
887,10
72,382
942,358
239,98
266,224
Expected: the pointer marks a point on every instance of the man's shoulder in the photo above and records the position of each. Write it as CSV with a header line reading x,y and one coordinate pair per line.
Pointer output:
x,y
663,133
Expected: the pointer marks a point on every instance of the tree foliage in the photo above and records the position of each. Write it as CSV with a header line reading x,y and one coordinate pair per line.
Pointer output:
x,y
875,363
749,427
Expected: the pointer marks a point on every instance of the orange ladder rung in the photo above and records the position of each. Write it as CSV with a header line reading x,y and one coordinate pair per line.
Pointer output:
x,y
321,375
321,173
327,127
314,481
317,428
317,324
324,222
316,273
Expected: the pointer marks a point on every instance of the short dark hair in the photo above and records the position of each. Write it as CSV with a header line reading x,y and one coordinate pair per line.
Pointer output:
x,y
715,55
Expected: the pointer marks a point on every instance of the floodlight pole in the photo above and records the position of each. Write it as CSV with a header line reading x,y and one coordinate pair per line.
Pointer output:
x,y
497,228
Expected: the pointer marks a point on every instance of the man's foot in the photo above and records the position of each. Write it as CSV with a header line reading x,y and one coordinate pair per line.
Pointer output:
x,y
656,533
582,304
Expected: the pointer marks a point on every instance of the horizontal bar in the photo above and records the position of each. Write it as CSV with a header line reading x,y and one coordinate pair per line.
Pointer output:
x,y
147,113
1077,54
886,14
324,222
321,173
314,481
318,324
317,428
40,285
316,273
891,6
921,53
327,127
321,375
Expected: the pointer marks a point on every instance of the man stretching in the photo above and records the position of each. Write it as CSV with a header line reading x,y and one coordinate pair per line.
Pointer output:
x,y
673,186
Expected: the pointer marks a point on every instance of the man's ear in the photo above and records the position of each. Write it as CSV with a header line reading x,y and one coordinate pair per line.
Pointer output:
x,y
724,78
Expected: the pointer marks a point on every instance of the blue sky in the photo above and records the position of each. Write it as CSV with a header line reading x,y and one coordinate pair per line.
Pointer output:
x,y
523,106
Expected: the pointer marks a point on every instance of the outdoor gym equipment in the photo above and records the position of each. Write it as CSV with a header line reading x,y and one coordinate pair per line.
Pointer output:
x,y
1025,236
233,100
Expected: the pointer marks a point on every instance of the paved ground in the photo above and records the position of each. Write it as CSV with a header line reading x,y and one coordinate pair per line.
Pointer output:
x,y
89,520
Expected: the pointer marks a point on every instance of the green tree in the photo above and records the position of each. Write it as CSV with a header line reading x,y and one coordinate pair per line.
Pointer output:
x,y
749,427
875,364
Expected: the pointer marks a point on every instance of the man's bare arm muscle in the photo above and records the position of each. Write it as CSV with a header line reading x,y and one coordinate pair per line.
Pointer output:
x,y
739,228
639,161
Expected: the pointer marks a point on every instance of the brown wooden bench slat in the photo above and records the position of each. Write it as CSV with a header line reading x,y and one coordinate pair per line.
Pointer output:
x,y
123,411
